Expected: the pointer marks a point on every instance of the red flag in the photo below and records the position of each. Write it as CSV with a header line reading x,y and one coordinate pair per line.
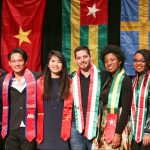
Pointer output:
x,y
93,12
22,22
110,129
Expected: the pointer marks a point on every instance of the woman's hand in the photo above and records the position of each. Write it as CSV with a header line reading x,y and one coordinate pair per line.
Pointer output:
x,y
116,141
146,140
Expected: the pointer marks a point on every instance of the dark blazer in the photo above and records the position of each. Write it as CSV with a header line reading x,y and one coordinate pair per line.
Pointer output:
x,y
2,72
17,108
147,127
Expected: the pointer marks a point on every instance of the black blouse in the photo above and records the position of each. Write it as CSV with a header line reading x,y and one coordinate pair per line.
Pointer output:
x,y
124,101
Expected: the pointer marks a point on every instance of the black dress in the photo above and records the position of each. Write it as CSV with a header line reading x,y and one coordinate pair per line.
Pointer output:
x,y
53,111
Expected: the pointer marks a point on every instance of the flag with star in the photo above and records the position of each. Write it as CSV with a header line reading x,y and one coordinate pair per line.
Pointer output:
x,y
84,22
110,129
22,22
135,29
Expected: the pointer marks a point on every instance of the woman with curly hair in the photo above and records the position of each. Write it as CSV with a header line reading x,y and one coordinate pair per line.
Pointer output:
x,y
116,94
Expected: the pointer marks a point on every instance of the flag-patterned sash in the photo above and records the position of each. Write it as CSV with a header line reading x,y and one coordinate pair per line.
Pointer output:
x,y
66,118
112,106
139,105
92,106
30,104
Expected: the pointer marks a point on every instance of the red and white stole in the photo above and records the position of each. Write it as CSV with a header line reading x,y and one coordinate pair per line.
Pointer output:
x,y
92,104
139,106
30,104
66,118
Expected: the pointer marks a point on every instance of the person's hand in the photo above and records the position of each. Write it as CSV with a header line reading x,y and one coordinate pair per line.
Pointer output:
x,y
146,140
116,141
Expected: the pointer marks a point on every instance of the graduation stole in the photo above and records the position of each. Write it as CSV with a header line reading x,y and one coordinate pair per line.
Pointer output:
x,y
112,106
92,106
30,105
66,118
139,105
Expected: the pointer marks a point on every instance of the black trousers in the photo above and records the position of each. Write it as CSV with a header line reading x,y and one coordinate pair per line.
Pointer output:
x,y
1,143
16,141
138,146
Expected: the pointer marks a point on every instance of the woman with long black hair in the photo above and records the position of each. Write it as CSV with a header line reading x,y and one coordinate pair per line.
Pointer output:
x,y
54,102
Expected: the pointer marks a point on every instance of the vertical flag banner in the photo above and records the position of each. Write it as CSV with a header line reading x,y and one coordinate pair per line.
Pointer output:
x,y
84,22
135,27
22,22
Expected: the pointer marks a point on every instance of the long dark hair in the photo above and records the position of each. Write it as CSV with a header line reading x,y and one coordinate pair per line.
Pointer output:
x,y
64,77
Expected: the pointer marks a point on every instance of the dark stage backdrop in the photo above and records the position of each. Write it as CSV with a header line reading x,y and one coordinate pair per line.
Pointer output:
x,y
52,29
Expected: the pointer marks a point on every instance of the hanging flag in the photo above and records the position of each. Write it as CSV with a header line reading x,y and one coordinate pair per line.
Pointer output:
x,y
135,27
22,22
84,22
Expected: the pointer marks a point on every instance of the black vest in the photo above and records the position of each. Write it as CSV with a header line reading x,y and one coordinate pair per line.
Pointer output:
x,y
17,108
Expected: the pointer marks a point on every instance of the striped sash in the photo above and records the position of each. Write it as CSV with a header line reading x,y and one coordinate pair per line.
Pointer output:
x,y
30,105
114,93
112,106
139,106
92,106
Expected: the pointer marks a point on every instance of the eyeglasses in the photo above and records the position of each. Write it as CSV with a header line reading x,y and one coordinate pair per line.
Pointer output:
x,y
140,60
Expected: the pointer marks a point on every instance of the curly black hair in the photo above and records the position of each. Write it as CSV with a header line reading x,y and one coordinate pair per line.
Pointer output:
x,y
115,50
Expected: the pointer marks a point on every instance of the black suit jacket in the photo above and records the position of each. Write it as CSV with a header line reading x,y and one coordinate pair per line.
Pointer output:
x,y
17,107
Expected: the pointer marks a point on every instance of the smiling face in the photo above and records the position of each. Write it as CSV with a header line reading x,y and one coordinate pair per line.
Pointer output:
x,y
83,60
55,66
17,63
139,63
112,63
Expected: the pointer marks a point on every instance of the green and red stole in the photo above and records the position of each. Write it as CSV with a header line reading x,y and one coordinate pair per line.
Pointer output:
x,y
30,105
66,118
139,105
93,103
112,106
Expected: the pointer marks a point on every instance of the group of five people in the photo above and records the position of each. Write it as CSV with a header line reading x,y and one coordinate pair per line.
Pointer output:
x,y
89,109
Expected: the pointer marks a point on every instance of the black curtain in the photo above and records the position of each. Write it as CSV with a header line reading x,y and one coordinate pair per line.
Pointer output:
x,y
52,28
114,9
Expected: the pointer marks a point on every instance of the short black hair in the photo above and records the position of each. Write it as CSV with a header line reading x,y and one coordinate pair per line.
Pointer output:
x,y
79,48
20,51
115,50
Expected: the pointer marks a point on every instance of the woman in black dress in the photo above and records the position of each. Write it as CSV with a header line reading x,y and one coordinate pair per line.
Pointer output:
x,y
54,105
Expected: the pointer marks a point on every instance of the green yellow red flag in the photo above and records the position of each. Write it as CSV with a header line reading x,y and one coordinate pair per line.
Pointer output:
x,y
84,22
